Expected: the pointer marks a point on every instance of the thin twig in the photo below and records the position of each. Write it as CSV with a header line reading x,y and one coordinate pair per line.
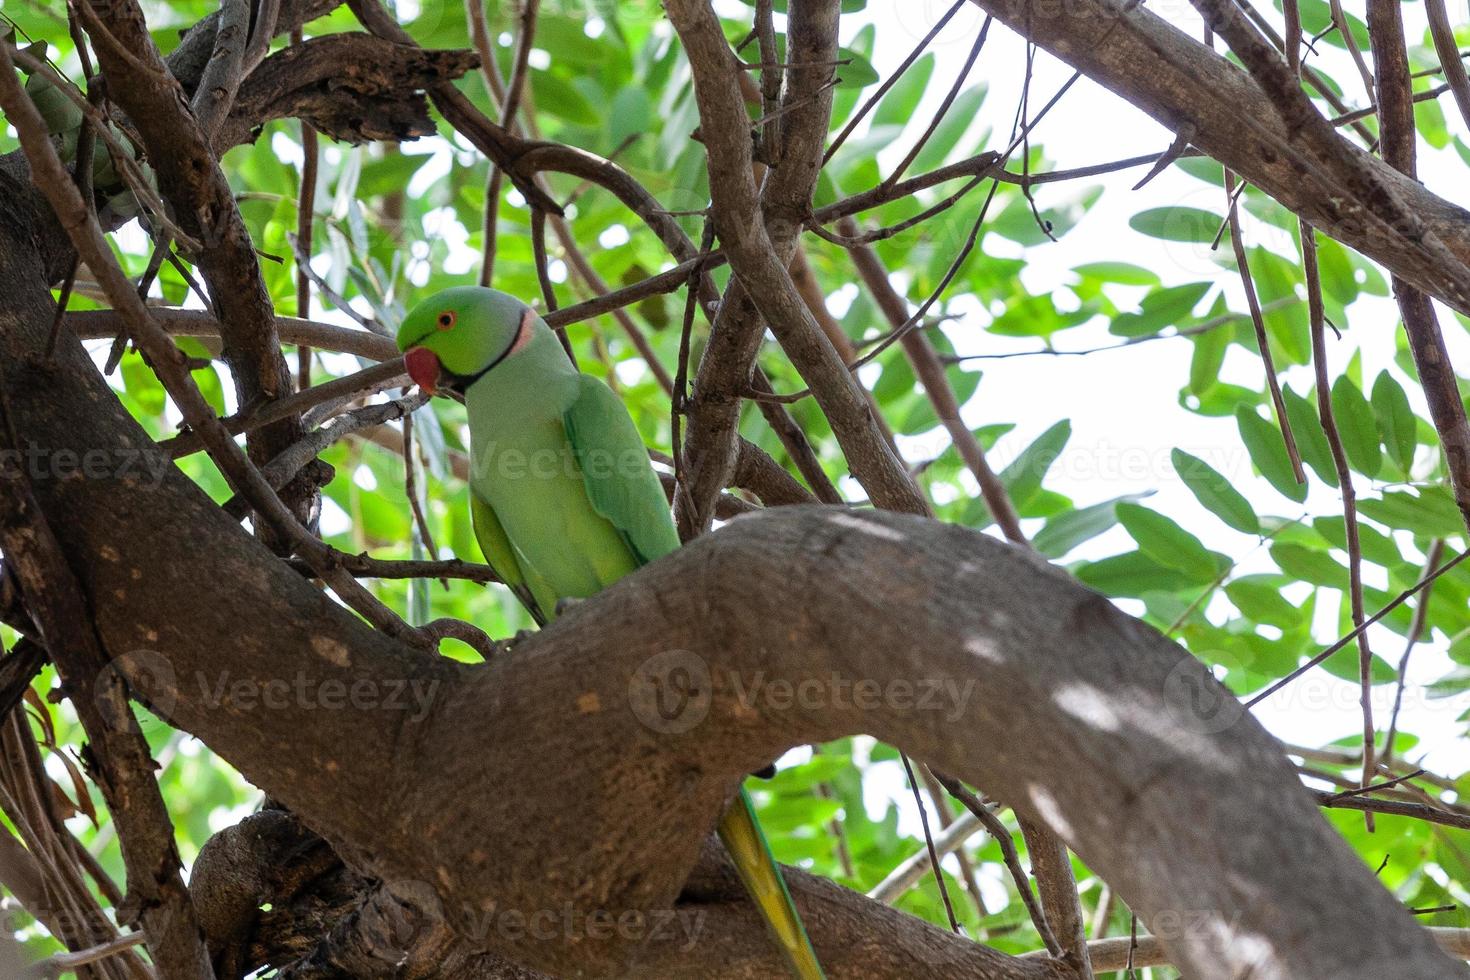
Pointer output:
x,y
58,964
944,106
1345,481
1443,34
954,923
1263,343
170,364
388,374
1416,631
305,213
891,80
411,489
1009,855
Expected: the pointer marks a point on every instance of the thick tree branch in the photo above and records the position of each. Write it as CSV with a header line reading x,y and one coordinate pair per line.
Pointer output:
x,y
744,216
1127,760
117,754
352,87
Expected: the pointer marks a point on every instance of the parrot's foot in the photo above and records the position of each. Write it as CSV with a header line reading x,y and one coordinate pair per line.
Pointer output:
x,y
567,604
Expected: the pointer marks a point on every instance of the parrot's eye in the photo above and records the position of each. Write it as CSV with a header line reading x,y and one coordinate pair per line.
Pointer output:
x,y
446,320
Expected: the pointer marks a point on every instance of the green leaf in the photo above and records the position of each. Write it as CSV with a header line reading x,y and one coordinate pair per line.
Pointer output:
x,y
1287,330
1376,546
1356,426
1311,441
1177,224
1202,168
898,106
1219,400
1132,574
1344,665
1066,531
947,135
1395,419
1121,272
1339,281
1036,316
1431,512
1215,493
1259,598
1268,453
1309,565
1162,539
859,73
631,113
562,100
1163,307
1058,218
1023,476
566,41
1207,359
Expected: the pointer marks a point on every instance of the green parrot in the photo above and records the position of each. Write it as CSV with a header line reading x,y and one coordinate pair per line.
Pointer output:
x,y
64,119
564,500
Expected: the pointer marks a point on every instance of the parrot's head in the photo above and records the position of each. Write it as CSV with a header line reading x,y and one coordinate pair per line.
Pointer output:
x,y
456,336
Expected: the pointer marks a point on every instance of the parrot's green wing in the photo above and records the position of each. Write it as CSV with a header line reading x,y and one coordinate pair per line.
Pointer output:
x,y
500,556
621,483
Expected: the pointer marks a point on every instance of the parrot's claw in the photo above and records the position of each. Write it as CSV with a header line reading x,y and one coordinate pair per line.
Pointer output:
x,y
566,604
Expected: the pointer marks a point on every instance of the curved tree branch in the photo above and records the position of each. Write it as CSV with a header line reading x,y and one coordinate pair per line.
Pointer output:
x,y
352,87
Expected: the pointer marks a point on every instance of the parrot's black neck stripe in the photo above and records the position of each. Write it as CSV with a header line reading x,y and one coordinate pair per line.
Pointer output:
x,y
462,382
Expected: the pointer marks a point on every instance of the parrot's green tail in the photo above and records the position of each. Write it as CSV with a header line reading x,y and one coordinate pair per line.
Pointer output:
x,y
762,879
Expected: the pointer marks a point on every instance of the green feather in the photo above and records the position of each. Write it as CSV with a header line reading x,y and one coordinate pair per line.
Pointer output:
x,y
500,556
621,485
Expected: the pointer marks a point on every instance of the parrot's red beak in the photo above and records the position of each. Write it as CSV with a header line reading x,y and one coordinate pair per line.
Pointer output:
x,y
423,367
